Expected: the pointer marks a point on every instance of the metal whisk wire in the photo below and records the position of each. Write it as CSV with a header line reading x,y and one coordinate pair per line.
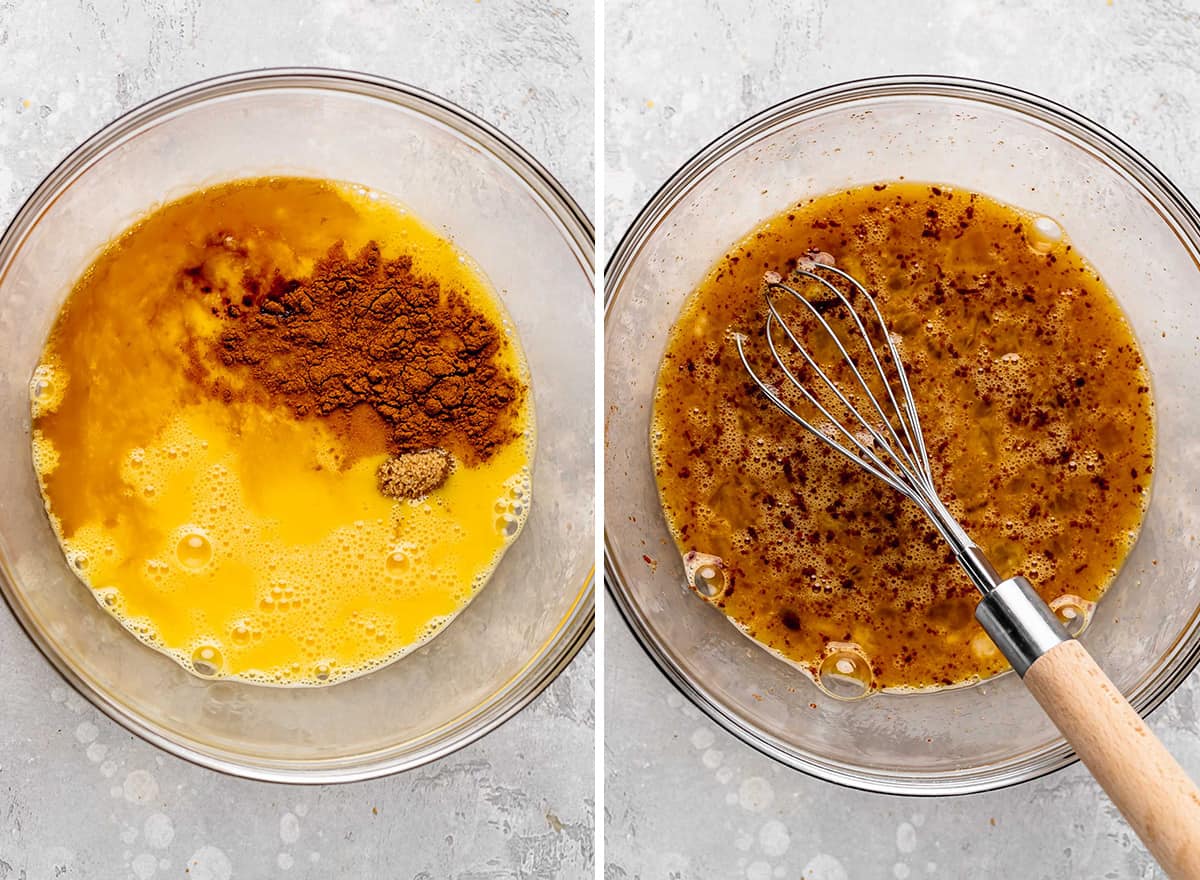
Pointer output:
x,y
896,453
1142,778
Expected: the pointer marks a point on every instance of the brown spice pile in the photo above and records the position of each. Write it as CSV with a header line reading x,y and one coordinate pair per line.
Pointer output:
x,y
364,330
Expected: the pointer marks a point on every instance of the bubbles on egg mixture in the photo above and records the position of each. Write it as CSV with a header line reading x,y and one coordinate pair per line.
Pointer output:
x,y
46,389
397,562
241,634
845,673
290,598
1073,612
1045,233
206,660
194,551
512,508
706,574
45,456
108,597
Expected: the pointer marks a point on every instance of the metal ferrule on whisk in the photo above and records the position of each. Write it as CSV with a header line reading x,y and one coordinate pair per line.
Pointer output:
x,y
887,442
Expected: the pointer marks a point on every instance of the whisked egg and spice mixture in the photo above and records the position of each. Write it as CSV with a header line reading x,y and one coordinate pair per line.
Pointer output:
x,y
1037,414
283,430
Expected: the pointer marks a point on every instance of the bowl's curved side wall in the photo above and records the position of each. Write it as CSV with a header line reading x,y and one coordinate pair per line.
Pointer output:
x,y
971,135
471,184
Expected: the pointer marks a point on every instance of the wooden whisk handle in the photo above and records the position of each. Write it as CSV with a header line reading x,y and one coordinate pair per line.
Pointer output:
x,y
1153,793
1148,786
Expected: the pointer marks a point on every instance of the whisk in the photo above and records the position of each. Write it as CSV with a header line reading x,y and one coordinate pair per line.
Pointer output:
x,y
880,431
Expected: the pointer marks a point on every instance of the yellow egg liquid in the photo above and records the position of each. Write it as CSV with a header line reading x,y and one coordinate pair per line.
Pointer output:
x,y
238,538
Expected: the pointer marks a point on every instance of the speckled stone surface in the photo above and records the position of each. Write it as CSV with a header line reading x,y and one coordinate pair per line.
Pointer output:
x,y
79,797
683,798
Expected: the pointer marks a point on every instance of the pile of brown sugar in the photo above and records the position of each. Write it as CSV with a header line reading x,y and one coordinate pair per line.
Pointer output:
x,y
414,474
365,341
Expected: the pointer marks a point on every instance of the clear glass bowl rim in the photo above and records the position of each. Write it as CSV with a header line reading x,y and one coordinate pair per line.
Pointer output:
x,y
574,630
1184,655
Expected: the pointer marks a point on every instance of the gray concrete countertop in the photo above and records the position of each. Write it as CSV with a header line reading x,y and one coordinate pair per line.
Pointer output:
x,y
683,798
81,798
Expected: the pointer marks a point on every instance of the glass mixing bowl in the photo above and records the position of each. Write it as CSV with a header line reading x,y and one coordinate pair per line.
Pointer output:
x,y
1125,217
494,201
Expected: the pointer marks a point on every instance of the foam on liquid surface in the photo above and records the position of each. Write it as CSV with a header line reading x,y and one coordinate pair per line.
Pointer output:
x,y
1035,404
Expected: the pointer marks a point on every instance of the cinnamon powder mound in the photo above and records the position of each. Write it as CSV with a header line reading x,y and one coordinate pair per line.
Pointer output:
x,y
367,332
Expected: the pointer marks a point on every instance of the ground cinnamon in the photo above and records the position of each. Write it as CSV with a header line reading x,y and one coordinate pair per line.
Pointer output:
x,y
365,332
